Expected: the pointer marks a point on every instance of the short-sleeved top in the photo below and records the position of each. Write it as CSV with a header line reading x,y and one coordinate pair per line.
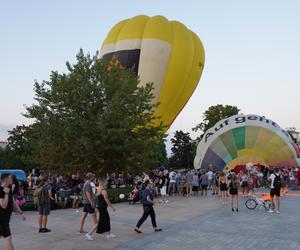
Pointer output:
x,y
245,178
210,175
87,188
145,194
195,180
10,206
46,193
75,182
272,178
172,176
162,181
189,177
204,179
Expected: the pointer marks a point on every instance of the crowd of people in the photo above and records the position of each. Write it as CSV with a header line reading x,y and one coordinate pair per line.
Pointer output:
x,y
91,192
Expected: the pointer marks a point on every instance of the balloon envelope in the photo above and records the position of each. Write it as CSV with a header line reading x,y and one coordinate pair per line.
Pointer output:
x,y
243,139
165,53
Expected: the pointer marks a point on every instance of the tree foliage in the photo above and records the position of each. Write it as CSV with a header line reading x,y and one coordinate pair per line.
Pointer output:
x,y
93,117
182,150
215,114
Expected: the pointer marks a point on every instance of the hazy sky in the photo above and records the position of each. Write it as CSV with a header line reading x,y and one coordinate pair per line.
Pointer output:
x,y
252,51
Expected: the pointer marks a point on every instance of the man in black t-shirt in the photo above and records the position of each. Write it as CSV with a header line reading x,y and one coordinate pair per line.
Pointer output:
x,y
7,204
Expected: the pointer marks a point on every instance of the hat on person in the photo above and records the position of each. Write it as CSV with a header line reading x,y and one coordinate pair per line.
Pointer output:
x,y
89,175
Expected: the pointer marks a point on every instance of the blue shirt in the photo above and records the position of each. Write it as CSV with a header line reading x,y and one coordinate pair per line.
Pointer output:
x,y
189,177
195,180
204,179
147,192
46,193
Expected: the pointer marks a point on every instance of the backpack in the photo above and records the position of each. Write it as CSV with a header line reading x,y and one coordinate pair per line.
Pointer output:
x,y
277,182
38,196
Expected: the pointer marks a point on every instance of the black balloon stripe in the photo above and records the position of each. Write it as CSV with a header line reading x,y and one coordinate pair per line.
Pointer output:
x,y
128,58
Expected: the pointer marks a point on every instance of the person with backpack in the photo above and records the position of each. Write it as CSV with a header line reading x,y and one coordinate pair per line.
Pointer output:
x,y
275,185
42,196
148,209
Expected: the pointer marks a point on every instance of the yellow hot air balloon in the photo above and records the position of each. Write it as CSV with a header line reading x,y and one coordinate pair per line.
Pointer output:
x,y
160,51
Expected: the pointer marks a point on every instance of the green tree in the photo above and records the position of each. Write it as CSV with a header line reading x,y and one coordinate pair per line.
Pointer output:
x,y
215,114
19,149
156,157
182,150
93,117
4,161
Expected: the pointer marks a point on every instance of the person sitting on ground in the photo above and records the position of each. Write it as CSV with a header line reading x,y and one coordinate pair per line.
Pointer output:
x,y
133,196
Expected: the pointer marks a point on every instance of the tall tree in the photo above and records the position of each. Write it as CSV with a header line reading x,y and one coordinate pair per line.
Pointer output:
x,y
182,150
94,117
215,114
156,157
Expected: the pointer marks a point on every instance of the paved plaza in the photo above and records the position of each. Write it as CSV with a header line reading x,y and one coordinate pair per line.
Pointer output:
x,y
188,223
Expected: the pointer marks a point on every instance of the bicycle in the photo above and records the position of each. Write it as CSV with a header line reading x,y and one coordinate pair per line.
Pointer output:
x,y
265,200
254,201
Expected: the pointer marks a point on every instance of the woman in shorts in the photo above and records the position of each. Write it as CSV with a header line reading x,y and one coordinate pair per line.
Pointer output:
x,y
223,186
244,183
204,183
195,183
233,184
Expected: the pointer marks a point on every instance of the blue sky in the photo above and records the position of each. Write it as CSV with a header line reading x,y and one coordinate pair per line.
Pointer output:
x,y
252,51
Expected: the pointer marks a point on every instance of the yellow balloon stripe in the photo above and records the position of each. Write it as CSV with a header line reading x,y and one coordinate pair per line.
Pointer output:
x,y
181,59
113,35
133,29
158,27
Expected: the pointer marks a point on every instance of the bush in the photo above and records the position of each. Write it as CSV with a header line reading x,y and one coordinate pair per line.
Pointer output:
x,y
113,194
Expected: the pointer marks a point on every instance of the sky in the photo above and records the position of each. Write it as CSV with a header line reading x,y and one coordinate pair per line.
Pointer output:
x,y
252,51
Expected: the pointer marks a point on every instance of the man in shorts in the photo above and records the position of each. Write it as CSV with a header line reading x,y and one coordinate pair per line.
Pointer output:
x,y
189,183
7,204
210,176
276,180
88,201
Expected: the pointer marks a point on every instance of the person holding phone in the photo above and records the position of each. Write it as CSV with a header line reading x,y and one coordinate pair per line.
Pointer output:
x,y
7,205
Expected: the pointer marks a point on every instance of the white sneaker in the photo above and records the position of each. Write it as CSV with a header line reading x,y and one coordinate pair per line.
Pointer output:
x,y
89,236
277,212
271,211
110,236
